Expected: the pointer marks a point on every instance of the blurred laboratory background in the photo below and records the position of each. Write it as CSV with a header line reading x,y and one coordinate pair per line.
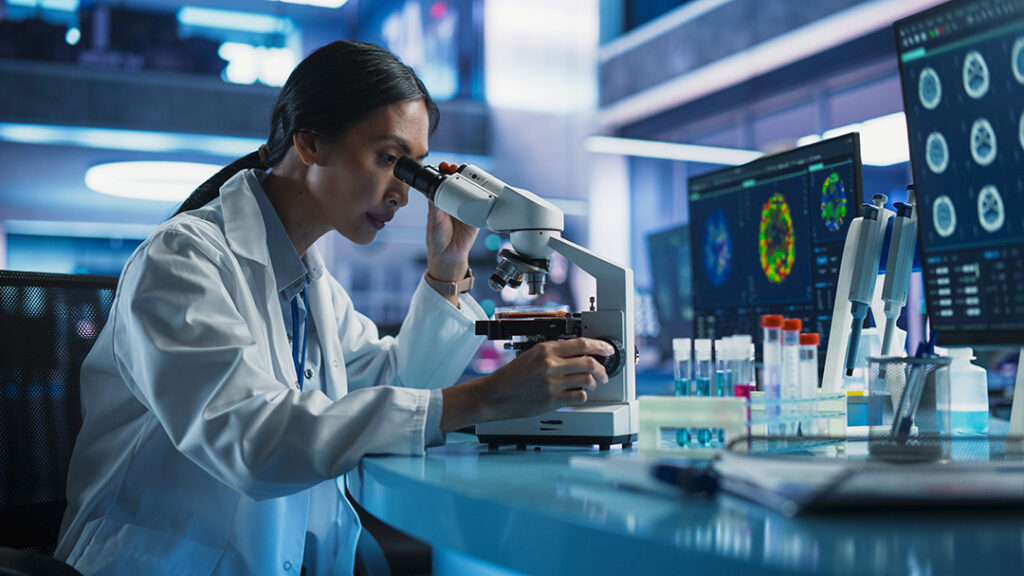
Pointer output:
x,y
112,111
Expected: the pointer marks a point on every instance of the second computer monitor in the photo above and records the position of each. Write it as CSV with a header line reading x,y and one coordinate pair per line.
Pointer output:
x,y
962,69
767,237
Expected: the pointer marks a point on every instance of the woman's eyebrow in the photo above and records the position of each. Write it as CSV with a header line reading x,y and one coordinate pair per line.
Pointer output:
x,y
403,145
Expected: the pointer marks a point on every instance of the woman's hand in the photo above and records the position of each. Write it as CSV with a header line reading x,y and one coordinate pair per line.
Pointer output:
x,y
448,245
448,242
546,377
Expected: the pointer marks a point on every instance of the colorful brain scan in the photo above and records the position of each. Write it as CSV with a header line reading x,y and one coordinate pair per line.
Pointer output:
x,y
833,202
944,216
717,248
976,78
929,88
991,213
776,242
983,142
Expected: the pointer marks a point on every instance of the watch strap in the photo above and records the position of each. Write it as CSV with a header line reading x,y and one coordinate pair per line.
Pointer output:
x,y
451,288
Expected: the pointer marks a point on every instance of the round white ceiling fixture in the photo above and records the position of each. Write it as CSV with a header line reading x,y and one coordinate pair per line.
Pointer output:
x,y
159,181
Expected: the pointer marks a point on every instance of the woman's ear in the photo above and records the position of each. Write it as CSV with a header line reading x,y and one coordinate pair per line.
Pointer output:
x,y
308,147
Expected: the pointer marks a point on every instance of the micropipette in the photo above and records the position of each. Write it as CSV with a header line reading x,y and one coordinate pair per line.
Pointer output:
x,y
865,273
899,265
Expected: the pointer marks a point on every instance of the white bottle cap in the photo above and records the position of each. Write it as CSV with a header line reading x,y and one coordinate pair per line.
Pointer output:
x,y
744,340
966,353
702,348
681,348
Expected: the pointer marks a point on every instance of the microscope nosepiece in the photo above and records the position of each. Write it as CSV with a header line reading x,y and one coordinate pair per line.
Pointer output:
x,y
507,273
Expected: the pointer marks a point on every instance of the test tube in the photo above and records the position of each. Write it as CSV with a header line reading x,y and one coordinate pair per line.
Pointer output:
x,y
790,390
743,359
723,375
703,374
682,356
771,349
809,381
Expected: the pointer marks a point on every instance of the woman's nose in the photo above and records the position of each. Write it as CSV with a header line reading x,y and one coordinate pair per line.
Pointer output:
x,y
400,196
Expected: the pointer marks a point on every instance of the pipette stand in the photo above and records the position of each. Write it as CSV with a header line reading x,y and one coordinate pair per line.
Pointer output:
x,y
842,317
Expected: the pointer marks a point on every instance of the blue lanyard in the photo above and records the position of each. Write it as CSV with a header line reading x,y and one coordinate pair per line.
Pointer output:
x,y
297,358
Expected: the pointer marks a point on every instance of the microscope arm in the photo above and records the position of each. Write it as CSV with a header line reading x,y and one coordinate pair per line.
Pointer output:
x,y
614,282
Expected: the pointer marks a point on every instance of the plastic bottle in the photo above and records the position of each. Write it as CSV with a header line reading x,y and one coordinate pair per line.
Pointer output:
x,y
790,387
968,395
703,374
771,349
682,355
809,381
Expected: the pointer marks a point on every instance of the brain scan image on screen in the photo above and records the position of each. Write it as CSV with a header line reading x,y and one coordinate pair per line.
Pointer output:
x,y
1021,131
833,202
929,88
1017,60
975,75
776,242
717,248
991,214
936,153
983,142
944,216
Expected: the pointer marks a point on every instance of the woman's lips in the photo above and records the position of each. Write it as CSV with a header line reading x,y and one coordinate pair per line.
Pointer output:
x,y
378,222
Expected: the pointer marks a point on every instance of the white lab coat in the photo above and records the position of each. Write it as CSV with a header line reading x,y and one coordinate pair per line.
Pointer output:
x,y
198,454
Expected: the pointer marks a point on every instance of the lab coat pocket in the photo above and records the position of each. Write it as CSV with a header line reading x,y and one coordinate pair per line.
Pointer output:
x,y
118,548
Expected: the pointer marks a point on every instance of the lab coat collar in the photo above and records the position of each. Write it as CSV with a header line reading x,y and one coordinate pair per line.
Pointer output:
x,y
243,222
290,271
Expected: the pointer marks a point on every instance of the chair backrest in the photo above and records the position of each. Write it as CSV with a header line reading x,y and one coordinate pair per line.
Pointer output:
x,y
48,323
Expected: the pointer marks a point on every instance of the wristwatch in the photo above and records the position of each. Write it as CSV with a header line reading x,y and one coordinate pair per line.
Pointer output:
x,y
451,288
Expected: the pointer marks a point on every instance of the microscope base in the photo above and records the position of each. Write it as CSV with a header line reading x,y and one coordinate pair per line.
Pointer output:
x,y
602,424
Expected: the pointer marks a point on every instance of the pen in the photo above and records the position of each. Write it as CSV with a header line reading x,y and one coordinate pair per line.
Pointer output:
x,y
661,477
691,479
903,419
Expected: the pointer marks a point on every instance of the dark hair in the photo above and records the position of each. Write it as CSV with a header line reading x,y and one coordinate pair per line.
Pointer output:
x,y
336,87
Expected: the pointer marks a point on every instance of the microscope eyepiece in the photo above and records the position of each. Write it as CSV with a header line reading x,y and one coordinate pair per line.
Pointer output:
x,y
426,179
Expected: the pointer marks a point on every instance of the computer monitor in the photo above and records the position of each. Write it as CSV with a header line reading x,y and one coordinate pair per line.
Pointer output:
x,y
962,70
671,285
767,238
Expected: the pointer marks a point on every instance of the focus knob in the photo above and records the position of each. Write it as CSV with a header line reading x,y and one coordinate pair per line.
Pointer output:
x,y
612,364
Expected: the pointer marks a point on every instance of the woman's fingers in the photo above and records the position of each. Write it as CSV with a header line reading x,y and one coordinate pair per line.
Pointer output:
x,y
573,397
577,356
587,365
573,382
582,347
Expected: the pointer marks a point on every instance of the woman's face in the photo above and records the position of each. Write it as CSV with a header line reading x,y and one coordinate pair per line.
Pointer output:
x,y
352,184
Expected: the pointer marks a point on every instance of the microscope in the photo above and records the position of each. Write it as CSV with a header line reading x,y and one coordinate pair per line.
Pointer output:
x,y
535,226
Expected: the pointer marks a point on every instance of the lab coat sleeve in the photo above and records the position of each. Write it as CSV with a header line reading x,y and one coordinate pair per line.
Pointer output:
x,y
184,329
432,349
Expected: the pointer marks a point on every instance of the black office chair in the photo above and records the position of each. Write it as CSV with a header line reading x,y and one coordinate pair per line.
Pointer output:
x,y
48,323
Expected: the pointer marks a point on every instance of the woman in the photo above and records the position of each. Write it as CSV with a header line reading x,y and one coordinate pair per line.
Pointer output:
x,y
234,384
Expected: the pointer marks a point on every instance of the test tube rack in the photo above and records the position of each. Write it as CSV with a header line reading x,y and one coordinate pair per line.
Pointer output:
x,y
729,414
